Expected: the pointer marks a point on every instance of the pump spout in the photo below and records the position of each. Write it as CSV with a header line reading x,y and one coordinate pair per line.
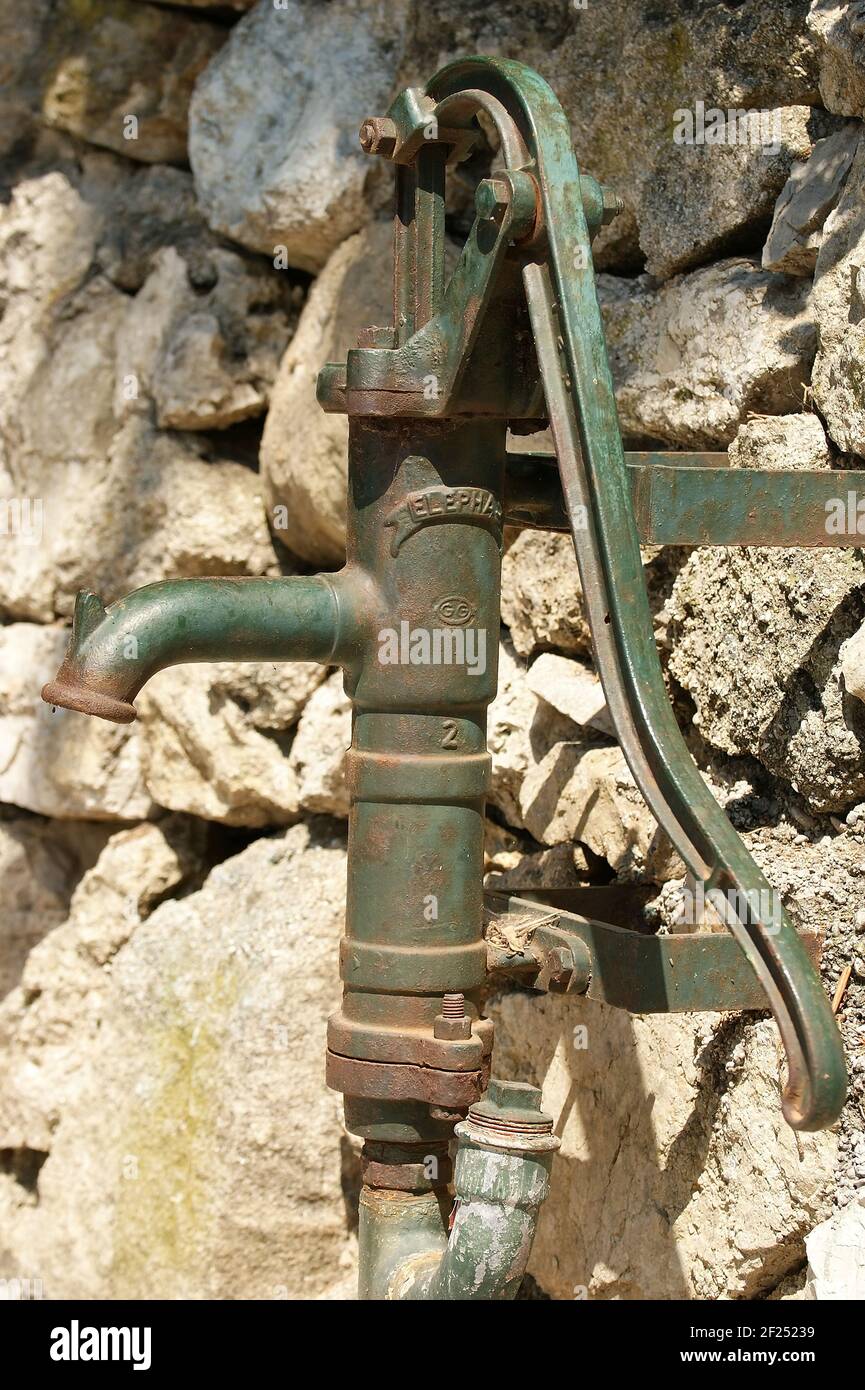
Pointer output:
x,y
113,651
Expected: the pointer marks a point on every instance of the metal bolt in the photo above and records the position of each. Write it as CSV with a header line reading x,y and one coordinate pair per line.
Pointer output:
x,y
492,197
613,205
453,1024
378,135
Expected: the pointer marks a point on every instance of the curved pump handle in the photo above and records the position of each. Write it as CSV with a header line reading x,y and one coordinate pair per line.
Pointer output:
x,y
560,288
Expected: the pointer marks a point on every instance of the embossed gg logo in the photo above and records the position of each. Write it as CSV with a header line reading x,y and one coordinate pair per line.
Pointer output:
x,y
455,610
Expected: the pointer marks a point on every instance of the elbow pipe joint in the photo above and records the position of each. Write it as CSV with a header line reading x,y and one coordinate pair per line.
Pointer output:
x,y
502,1177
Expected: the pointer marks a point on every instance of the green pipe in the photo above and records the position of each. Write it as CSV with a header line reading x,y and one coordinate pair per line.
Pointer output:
x,y
114,651
398,1234
499,1195
502,1178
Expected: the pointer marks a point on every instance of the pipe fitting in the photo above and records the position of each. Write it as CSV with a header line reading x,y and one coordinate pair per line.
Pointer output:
x,y
502,1177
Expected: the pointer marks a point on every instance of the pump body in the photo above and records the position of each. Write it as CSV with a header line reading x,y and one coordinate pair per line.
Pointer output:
x,y
510,343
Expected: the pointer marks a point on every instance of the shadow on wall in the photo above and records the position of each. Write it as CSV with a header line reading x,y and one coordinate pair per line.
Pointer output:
x,y
677,1177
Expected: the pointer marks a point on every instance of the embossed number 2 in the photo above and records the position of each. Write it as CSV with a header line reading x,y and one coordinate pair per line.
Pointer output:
x,y
451,729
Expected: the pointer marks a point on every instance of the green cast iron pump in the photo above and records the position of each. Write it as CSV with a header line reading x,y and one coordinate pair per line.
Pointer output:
x,y
513,341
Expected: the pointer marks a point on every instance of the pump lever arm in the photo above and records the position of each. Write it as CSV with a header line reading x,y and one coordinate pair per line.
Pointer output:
x,y
569,339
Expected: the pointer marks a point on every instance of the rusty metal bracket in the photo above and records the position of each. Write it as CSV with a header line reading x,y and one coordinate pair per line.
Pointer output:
x,y
561,952
698,499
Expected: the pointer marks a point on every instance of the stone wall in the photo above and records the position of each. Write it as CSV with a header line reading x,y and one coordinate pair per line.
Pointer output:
x,y
188,229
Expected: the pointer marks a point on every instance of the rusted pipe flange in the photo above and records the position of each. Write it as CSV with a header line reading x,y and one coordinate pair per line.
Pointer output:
x,y
406,1167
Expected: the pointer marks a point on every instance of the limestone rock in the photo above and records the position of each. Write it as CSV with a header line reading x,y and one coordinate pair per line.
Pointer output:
x,y
522,727
144,210
707,198
853,664
38,875
542,602
837,298
812,865
694,357
203,355
155,509
48,1023
840,28
839,309
199,1083
520,731
560,866
582,790
274,119
781,441
755,58
20,42
510,724
215,739
303,450
42,213
678,1177
816,870
622,70
60,763
836,1255
317,758
137,869
272,694
150,505
842,391
755,637
121,74
807,198
571,688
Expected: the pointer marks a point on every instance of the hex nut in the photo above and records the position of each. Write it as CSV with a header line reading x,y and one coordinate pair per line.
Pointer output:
x,y
558,968
452,1029
378,135
492,197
